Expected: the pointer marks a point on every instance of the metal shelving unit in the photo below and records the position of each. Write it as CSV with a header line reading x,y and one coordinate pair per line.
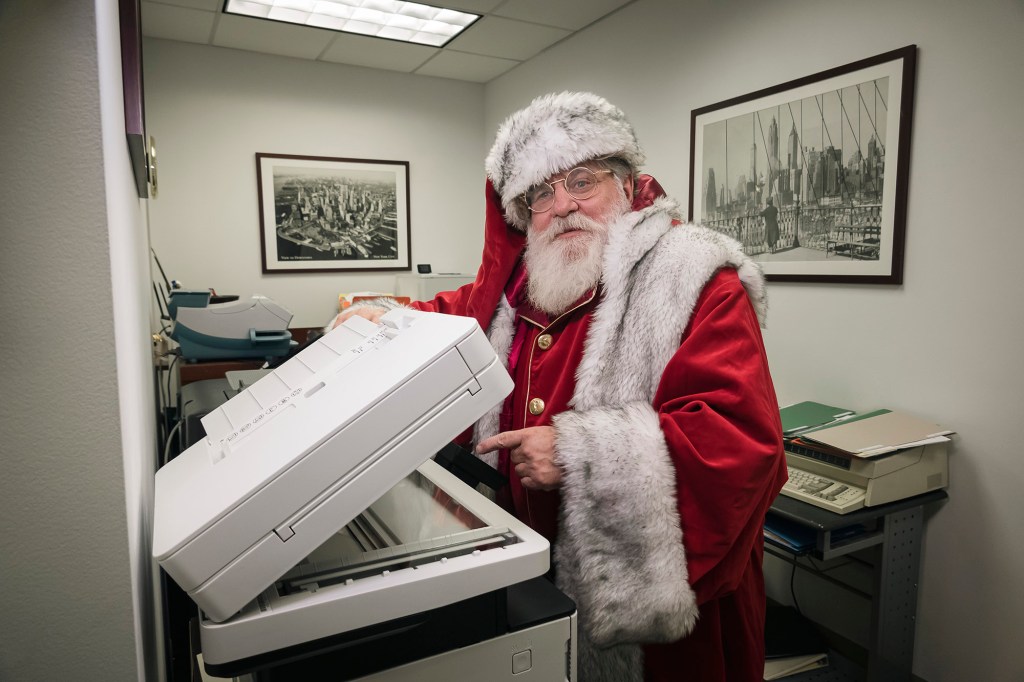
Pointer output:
x,y
896,530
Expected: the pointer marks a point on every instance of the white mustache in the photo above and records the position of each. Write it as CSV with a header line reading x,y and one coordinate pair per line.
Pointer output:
x,y
573,221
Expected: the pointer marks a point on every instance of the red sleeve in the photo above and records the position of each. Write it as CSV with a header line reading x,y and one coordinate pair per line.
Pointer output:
x,y
502,248
719,414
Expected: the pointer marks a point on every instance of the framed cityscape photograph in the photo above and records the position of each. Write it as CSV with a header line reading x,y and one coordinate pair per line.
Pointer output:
x,y
323,214
811,175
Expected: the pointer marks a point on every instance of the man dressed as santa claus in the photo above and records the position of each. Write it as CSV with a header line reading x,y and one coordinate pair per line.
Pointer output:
x,y
642,437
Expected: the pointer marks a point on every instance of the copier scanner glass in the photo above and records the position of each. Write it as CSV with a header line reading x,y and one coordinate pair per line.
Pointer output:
x,y
414,523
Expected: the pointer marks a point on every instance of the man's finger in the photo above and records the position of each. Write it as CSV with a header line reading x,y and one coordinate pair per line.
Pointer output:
x,y
491,444
505,439
488,445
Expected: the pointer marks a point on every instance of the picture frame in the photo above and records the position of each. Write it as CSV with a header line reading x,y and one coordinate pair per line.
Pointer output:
x,y
811,175
326,214
130,30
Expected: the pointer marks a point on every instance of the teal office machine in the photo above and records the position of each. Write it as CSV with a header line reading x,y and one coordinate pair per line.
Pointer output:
x,y
248,328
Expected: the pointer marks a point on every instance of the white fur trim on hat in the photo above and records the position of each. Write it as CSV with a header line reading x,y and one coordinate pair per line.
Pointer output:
x,y
555,133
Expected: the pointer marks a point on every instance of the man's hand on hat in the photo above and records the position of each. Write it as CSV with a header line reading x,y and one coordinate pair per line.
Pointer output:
x,y
532,454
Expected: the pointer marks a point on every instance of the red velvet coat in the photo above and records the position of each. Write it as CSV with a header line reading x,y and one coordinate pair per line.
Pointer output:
x,y
717,413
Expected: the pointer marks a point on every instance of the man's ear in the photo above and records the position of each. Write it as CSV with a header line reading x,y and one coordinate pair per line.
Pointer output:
x,y
628,186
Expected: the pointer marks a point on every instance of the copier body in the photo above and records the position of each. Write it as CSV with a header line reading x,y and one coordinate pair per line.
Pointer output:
x,y
307,449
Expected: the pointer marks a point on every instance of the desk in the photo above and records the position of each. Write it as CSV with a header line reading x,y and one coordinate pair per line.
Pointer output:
x,y
898,528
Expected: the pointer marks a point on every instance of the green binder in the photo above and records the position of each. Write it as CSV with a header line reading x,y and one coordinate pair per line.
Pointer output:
x,y
808,415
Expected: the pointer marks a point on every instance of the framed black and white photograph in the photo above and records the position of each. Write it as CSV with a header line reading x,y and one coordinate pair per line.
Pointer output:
x,y
323,214
811,175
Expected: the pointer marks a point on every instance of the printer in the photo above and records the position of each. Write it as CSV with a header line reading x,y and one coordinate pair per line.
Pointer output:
x,y
865,482
318,537
256,327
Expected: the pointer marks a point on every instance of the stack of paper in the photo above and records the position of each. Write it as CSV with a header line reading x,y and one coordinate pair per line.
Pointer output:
x,y
778,668
874,433
798,538
790,535
792,644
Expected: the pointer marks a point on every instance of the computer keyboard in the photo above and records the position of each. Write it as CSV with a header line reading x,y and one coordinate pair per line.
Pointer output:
x,y
823,492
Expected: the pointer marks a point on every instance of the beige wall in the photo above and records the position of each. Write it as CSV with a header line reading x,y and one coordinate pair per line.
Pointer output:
x,y
212,109
76,428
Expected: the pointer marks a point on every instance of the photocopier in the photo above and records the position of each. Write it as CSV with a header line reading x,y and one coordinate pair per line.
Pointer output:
x,y
320,539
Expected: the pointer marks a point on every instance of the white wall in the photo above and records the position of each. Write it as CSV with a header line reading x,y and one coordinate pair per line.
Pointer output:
x,y
75,455
131,292
945,345
212,109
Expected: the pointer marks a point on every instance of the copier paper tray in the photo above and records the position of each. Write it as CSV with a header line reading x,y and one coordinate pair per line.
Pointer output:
x,y
291,460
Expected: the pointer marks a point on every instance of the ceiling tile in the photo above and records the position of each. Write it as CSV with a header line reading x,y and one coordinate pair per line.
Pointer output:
x,y
467,67
211,5
498,37
475,6
571,14
271,37
376,53
511,31
177,23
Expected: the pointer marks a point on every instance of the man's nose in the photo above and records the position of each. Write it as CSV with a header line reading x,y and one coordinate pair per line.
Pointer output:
x,y
564,202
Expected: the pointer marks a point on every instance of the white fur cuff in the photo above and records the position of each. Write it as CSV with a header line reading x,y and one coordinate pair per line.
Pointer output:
x,y
620,553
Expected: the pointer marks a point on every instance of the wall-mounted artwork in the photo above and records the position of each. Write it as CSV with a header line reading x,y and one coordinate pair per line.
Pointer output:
x,y
322,214
811,175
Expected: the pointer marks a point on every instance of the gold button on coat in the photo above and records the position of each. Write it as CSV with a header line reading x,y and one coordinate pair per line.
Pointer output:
x,y
536,406
544,341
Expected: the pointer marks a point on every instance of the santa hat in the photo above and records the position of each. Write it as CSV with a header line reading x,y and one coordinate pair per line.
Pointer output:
x,y
555,133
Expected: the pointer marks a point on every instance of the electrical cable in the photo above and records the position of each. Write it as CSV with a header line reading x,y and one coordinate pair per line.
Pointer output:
x,y
165,396
167,445
792,586
847,561
170,374
177,426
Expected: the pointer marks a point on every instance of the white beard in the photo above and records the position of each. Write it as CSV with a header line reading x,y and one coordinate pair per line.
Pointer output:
x,y
561,271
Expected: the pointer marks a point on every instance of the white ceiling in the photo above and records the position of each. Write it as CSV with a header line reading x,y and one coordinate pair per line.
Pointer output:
x,y
509,32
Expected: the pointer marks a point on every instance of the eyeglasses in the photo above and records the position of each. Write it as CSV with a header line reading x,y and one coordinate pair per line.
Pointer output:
x,y
580,183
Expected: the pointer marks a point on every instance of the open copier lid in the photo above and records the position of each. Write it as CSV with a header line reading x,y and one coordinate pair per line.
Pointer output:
x,y
297,456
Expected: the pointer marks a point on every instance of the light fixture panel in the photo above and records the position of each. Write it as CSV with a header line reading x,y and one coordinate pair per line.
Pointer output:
x,y
411,22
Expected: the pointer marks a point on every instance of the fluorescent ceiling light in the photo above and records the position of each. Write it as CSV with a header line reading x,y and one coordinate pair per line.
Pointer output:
x,y
393,19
